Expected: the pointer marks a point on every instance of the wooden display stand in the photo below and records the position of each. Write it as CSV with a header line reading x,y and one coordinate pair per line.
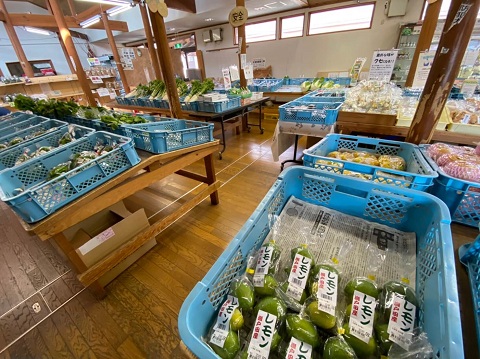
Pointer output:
x,y
151,169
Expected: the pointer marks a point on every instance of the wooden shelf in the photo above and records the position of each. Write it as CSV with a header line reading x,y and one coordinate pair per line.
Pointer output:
x,y
14,84
73,94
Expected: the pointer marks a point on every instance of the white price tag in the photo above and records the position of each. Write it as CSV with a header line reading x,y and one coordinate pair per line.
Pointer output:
x,y
294,291
248,70
263,330
226,79
102,92
243,60
218,338
234,74
96,79
264,260
299,271
327,291
401,322
362,315
466,119
225,314
298,349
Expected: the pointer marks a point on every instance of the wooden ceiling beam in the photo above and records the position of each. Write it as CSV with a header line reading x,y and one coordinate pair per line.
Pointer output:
x,y
2,16
183,5
48,21
92,11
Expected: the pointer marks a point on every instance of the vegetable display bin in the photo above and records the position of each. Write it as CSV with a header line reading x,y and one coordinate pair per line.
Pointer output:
x,y
470,256
45,124
13,118
80,121
219,106
461,197
18,126
121,100
29,192
321,113
323,96
404,209
418,175
9,156
169,135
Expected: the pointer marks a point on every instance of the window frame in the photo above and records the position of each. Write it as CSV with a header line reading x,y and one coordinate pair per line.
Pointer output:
x,y
338,8
235,31
288,17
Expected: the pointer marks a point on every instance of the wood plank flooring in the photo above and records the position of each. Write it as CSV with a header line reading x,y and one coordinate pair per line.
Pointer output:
x,y
46,313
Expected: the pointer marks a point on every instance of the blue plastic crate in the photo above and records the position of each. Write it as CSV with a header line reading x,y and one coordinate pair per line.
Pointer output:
x,y
189,106
323,96
121,100
45,124
436,289
18,126
322,113
9,156
297,81
418,175
40,197
80,121
266,85
9,119
470,256
165,136
219,106
461,197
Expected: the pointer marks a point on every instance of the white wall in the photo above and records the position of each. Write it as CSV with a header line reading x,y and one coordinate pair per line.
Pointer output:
x,y
305,56
36,47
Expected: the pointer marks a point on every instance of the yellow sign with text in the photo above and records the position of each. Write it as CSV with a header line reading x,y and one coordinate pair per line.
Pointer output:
x,y
238,16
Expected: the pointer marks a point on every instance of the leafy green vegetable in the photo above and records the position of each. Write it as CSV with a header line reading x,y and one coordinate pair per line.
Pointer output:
x,y
24,103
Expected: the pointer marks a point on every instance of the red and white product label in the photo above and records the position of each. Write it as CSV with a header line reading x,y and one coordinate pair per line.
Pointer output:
x,y
401,322
262,336
362,315
222,325
298,350
263,265
327,291
298,275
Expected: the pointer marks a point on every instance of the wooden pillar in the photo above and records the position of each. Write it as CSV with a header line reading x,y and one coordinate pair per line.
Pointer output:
x,y
163,52
116,56
425,38
201,64
12,35
67,56
151,46
71,50
243,47
446,64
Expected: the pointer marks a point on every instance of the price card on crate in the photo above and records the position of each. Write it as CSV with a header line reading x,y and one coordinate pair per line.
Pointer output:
x,y
382,64
226,79
327,291
402,319
361,318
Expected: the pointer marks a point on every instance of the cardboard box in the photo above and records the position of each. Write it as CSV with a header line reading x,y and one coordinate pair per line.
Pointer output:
x,y
98,236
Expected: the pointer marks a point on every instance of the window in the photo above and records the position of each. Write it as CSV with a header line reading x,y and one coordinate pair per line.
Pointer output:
x,y
292,26
347,18
260,31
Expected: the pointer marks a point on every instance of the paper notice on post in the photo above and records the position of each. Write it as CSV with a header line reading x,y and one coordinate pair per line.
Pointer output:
x,y
326,230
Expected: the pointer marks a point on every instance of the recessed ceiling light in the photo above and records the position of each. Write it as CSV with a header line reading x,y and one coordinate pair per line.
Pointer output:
x,y
209,19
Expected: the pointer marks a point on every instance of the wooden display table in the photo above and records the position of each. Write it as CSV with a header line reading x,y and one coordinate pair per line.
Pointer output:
x,y
151,169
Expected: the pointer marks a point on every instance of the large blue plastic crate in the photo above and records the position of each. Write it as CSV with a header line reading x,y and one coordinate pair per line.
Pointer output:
x,y
169,135
266,85
461,197
219,106
18,126
45,124
470,256
81,121
13,118
160,103
418,175
436,289
27,190
323,96
102,126
121,100
322,113
9,156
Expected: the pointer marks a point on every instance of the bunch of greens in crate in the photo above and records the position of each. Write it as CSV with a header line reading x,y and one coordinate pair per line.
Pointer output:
x,y
114,120
91,113
199,88
17,140
48,108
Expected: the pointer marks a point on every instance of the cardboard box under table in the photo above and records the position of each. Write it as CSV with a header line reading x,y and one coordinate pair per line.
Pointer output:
x,y
97,236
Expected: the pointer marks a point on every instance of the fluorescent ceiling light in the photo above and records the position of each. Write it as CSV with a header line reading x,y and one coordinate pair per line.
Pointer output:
x,y
209,19
110,2
37,31
90,22
118,9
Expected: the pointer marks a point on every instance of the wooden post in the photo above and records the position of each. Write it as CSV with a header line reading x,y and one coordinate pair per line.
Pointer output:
x,y
116,56
201,64
425,38
67,56
243,47
446,64
72,51
151,46
12,35
163,52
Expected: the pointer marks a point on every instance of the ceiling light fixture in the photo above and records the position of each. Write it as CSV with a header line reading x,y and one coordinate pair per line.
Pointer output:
x,y
37,31
119,9
90,22
209,19
110,2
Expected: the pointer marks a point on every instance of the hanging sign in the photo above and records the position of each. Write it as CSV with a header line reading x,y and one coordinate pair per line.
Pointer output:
x,y
238,16
234,74
243,60
425,61
259,63
226,79
382,65
356,69
248,70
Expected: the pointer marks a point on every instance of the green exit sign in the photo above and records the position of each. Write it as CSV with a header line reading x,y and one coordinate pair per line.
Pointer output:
x,y
178,46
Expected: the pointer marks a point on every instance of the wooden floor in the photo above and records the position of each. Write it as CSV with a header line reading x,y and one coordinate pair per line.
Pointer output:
x,y
46,313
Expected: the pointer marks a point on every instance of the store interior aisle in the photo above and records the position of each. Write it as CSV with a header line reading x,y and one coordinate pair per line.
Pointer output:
x,y
138,318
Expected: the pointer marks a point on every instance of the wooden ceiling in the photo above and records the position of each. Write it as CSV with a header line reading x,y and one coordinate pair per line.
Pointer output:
x,y
78,5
